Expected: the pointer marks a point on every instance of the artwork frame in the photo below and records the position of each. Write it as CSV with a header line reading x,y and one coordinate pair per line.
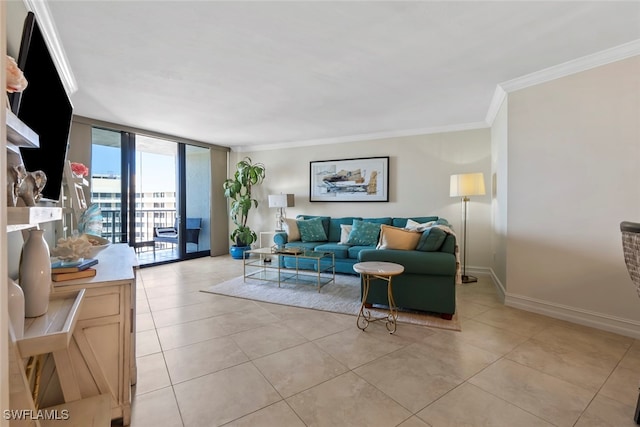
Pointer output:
x,y
364,179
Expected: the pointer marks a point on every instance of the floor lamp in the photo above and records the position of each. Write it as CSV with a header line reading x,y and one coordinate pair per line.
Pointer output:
x,y
465,185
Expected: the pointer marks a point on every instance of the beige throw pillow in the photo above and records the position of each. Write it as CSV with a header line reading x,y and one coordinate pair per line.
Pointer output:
x,y
345,229
398,238
290,226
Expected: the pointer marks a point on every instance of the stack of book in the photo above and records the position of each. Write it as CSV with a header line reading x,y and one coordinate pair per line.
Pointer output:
x,y
65,271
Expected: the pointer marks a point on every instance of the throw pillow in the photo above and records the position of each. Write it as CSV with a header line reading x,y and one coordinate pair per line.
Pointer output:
x,y
413,225
398,238
345,230
311,230
291,228
364,233
431,240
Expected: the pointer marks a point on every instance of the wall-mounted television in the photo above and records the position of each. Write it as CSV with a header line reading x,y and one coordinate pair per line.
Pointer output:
x,y
45,107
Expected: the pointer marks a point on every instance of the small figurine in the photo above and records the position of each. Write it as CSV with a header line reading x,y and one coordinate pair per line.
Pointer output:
x,y
15,175
31,187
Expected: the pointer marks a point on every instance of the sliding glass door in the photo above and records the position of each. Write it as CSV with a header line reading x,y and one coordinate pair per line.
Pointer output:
x,y
154,194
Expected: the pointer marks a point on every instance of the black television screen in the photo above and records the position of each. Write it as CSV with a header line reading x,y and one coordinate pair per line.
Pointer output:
x,y
45,107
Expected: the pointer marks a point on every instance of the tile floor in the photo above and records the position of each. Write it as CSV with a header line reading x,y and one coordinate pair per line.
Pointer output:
x,y
208,360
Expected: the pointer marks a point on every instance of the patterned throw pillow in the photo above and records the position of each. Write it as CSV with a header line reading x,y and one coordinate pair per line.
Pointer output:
x,y
345,230
398,238
311,230
364,233
291,228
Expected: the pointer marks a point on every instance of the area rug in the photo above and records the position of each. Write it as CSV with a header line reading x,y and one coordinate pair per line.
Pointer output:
x,y
343,296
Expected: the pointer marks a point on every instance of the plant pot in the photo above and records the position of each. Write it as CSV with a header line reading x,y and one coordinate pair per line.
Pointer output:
x,y
237,252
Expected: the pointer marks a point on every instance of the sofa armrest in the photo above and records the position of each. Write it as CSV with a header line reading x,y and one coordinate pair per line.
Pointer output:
x,y
414,262
280,238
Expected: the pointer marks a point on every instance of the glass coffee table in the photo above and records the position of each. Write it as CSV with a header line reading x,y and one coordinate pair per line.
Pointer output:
x,y
265,264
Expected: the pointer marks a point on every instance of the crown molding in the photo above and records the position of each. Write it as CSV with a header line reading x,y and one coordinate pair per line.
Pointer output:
x,y
496,102
360,137
574,66
584,63
50,34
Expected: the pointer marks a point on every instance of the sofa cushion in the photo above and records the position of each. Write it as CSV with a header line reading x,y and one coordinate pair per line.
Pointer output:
x,y
364,233
291,228
311,230
402,222
398,238
345,230
335,229
382,220
339,251
431,240
355,250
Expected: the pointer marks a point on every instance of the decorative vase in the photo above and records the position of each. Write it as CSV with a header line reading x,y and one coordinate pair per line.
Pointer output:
x,y
16,308
35,274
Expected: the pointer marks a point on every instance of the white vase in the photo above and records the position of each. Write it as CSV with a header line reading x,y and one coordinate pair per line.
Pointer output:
x,y
16,308
35,274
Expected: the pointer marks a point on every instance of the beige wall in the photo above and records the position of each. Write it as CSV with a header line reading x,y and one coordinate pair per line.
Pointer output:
x,y
574,175
419,171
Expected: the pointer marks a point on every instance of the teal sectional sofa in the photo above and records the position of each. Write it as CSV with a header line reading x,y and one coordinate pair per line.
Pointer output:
x,y
429,279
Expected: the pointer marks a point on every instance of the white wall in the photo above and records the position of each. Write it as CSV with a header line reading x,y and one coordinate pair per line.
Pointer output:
x,y
499,186
574,175
419,172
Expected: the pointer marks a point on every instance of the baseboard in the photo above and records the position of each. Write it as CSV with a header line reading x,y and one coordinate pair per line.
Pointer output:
x,y
485,271
605,322
618,325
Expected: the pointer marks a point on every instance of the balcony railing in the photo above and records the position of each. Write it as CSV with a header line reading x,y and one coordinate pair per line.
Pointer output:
x,y
146,220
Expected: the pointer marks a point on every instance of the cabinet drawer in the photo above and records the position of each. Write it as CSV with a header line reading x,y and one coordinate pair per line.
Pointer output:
x,y
95,306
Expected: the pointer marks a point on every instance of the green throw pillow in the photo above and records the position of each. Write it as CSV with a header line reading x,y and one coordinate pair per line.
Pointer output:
x,y
311,230
364,233
431,240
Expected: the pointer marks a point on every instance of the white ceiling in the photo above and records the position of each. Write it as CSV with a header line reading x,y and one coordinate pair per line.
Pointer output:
x,y
244,73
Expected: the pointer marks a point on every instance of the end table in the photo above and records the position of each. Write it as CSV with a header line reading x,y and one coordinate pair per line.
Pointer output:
x,y
383,271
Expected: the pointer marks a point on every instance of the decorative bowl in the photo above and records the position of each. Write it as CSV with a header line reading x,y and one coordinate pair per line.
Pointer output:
x,y
97,244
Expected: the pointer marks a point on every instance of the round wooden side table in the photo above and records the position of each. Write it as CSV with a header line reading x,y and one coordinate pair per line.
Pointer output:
x,y
383,271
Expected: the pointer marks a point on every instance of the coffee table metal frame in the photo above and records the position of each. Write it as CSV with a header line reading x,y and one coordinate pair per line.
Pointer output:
x,y
383,271
264,264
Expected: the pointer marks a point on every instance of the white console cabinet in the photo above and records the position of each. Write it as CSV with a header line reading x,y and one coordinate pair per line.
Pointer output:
x,y
102,348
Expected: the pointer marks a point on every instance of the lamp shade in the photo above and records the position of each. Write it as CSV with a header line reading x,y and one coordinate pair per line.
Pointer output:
x,y
281,200
467,184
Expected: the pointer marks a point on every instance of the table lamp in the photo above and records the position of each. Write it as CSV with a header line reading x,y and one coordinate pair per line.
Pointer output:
x,y
281,201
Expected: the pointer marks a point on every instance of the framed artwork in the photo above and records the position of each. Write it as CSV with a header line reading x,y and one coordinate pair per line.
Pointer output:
x,y
349,180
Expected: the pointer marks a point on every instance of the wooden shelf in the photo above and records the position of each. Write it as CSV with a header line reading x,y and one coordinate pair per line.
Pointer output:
x,y
20,218
19,134
52,331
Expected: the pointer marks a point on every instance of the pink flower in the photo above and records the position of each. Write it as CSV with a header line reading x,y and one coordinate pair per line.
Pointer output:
x,y
79,169
15,79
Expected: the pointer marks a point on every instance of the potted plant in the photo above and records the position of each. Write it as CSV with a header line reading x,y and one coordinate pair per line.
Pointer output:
x,y
238,190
